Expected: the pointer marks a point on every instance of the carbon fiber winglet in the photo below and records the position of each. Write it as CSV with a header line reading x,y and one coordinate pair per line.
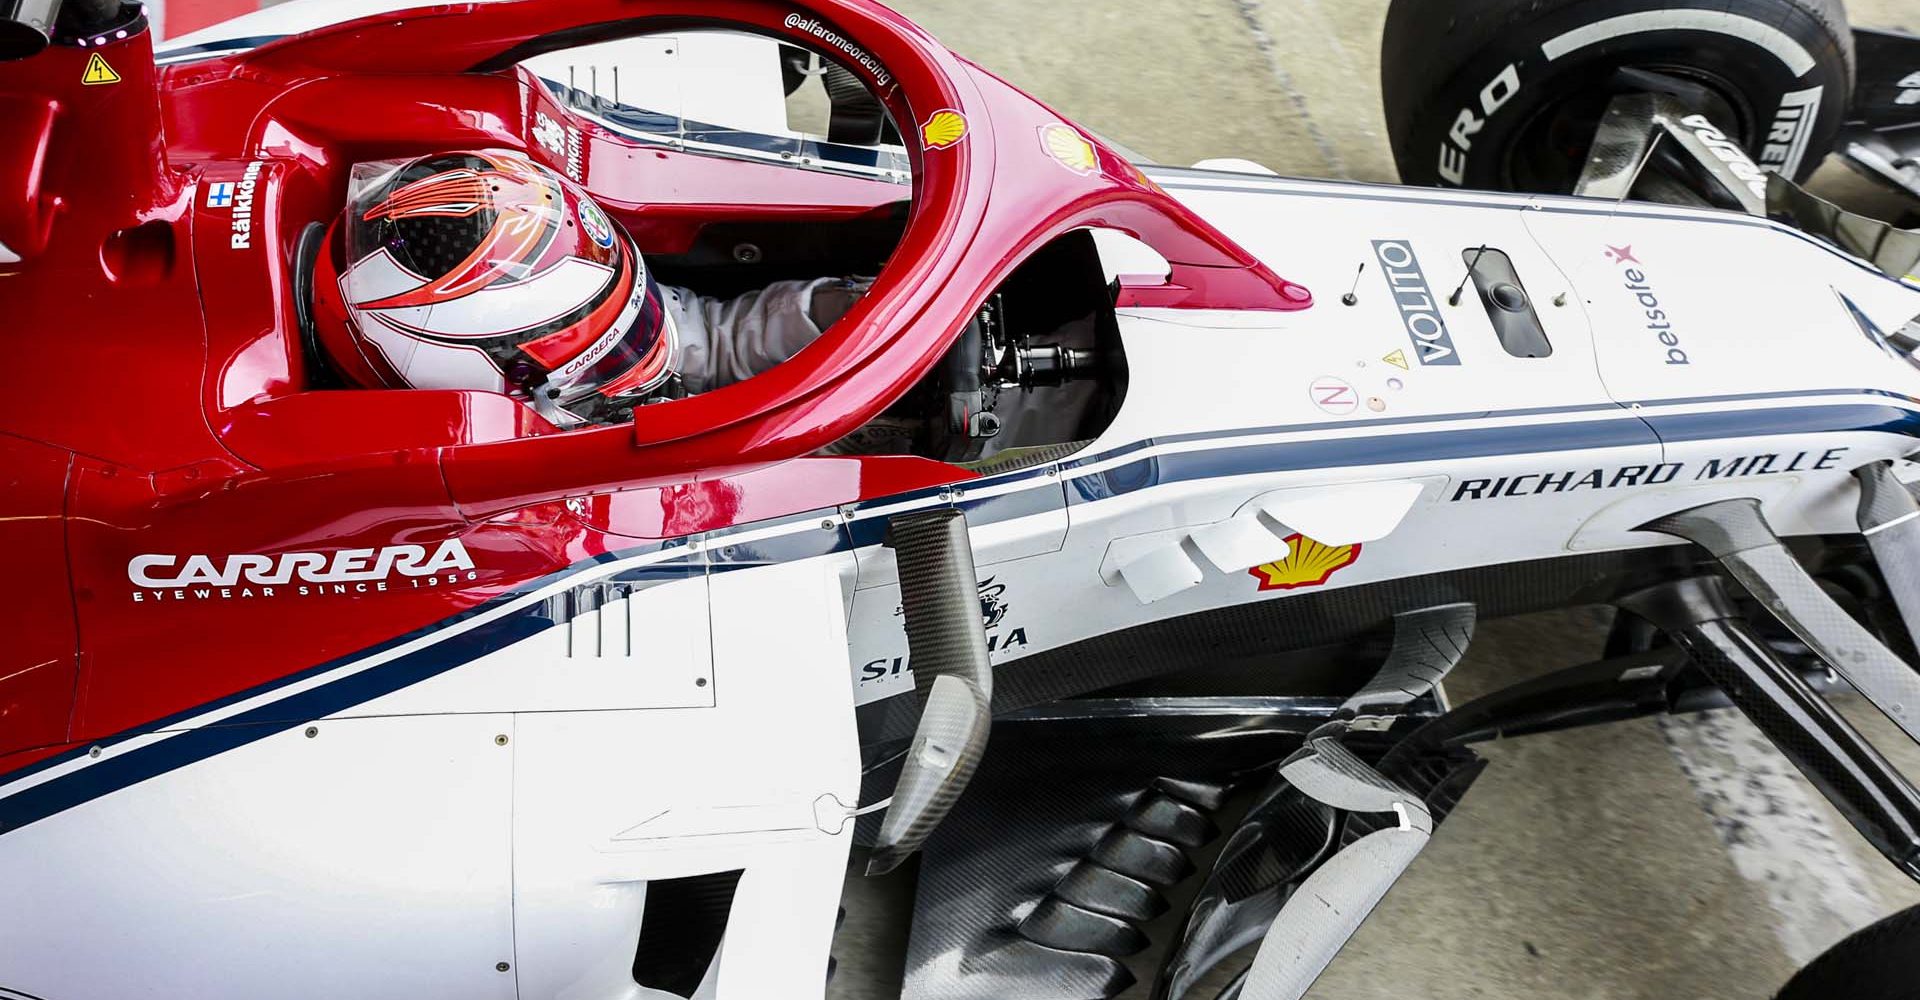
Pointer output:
x,y
1427,645
1283,835
1890,519
1739,536
947,645
1330,905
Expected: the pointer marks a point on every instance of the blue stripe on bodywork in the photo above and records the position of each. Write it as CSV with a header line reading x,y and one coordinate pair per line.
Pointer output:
x,y
207,50
1434,418
176,719
1385,449
119,771
1785,420
112,773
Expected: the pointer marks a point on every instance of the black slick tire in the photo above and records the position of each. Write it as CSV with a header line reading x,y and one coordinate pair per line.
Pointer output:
x,y
1502,94
1879,962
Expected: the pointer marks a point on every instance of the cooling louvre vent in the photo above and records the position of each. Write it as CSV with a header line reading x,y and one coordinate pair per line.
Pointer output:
x,y
681,930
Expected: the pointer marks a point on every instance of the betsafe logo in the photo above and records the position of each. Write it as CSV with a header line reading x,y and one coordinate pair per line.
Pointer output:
x,y
1657,320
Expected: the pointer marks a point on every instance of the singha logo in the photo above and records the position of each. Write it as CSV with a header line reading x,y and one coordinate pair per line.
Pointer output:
x,y
992,608
994,611
548,133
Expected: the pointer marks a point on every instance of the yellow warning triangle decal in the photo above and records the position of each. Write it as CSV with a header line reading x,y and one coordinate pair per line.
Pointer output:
x,y
1398,359
98,72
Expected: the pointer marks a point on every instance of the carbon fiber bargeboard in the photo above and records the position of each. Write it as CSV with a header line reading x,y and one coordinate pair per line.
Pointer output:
x,y
1061,795
1259,632
1739,536
1045,799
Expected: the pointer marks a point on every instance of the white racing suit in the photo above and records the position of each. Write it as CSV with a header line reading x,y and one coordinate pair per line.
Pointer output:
x,y
723,341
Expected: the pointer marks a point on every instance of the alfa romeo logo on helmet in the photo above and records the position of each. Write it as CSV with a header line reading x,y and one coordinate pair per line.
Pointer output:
x,y
595,222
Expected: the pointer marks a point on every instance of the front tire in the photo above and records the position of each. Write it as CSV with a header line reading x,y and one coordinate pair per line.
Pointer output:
x,y
1505,94
1880,962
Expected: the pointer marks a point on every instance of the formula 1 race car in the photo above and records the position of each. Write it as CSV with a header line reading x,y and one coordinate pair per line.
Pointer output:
x,y
1089,585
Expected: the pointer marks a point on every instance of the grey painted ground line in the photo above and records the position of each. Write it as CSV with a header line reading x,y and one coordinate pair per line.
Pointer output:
x,y
1250,16
1777,835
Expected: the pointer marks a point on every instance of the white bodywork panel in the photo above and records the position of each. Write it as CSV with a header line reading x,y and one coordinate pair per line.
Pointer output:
x,y
762,781
373,859
412,845
719,78
592,662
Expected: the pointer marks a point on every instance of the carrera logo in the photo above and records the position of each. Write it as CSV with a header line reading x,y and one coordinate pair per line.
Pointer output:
x,y
607,342
1419,313
302,574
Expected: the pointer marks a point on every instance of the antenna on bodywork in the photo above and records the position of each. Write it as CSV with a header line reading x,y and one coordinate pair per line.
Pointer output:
x,y
1454,299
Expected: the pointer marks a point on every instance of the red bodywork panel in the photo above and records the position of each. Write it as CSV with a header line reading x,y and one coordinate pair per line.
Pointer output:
x,y
38,671
157,397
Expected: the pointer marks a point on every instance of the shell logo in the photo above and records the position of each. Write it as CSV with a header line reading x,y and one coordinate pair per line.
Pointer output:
x,y
1071,149
944,128
1309,564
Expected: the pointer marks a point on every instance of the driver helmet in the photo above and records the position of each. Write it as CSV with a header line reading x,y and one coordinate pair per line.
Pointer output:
x,y
486,270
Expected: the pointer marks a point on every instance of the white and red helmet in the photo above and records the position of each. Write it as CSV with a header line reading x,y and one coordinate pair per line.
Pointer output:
x,y
485,270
